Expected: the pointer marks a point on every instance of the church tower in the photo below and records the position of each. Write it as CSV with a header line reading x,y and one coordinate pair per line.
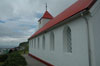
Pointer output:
x,y
45,18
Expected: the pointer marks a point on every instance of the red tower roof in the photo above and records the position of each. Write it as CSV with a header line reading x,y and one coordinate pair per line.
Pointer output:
x,y
46,15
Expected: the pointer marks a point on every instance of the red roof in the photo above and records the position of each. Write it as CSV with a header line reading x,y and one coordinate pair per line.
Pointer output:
x,y
46,15
75,8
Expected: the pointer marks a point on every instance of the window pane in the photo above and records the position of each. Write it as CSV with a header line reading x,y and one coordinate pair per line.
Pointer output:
x,y
52,41
34,43
67,40
43,42
38,42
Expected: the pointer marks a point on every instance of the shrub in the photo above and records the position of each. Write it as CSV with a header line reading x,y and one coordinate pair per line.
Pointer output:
x,y
3,57
15,59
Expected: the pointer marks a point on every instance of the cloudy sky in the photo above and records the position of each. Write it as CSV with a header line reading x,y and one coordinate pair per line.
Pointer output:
x,y
18,18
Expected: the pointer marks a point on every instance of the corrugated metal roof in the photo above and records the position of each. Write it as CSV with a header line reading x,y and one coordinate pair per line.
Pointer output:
x,y
75,8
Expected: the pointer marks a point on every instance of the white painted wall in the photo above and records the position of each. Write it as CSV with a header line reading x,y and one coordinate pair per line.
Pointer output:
x,y
95,30
79,55
42,22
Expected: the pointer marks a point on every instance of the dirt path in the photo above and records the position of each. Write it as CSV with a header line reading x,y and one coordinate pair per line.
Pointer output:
x,y
33,62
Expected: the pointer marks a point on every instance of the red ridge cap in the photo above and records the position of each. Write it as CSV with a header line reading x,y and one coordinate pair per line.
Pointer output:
x,y
75,8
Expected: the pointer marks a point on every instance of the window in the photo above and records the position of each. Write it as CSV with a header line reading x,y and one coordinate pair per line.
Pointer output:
x,y
38,42
34,43
31,43
43,42
67,46
52,41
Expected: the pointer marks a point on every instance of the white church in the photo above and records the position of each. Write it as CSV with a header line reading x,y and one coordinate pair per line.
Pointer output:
x,y
69,39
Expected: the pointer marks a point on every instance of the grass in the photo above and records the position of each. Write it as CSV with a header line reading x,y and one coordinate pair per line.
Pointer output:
x,y
22,52
1,63
15,59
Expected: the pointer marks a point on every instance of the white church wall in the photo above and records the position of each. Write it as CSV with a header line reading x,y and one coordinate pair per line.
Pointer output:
x,y
79,55
95,21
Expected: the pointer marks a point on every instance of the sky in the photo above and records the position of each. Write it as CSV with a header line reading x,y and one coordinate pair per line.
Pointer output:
x,y
19,18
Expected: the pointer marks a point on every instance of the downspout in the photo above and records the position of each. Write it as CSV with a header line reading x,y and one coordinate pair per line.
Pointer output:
x,y
88,36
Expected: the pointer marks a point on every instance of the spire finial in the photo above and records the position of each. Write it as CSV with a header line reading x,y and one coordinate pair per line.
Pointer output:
x,y
46,6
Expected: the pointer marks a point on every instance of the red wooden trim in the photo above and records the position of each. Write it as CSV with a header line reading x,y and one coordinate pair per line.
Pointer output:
x,y
48,64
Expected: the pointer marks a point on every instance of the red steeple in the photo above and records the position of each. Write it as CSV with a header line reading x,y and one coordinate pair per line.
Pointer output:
x,y
46,15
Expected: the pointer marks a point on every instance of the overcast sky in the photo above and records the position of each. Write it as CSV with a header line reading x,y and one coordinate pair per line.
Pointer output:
x,y
18,18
